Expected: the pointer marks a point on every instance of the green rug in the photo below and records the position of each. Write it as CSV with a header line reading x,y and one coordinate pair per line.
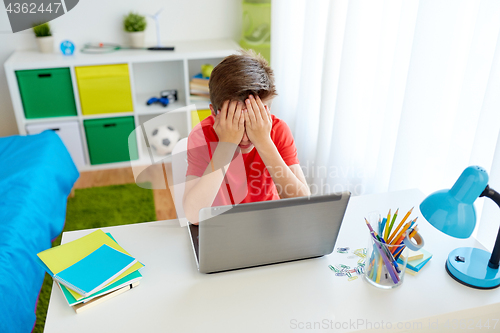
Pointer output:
x,y
98,207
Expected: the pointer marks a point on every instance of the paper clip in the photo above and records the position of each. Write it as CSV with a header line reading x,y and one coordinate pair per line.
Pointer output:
x,y
352,278
333,269
342,249
360,252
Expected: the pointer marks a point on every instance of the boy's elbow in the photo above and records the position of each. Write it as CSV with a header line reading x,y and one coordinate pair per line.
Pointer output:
x,y
307,192
190,212
304,192
192,217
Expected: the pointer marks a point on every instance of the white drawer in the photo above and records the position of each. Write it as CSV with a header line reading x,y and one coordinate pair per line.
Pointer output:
x,y
69,132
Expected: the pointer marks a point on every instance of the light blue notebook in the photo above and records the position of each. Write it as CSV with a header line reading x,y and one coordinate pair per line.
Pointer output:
x,y
95,270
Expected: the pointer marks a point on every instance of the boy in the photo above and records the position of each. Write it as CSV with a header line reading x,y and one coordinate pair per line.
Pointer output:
x,y
241,153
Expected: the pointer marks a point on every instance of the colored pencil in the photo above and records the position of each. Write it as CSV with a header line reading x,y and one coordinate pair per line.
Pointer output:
x,y
384,248
396,249
390,267
373,273
380,224
413,232
392,222
400,225
399,240
413,222
399,252
384,221
379,272
386,232
400,249
402,232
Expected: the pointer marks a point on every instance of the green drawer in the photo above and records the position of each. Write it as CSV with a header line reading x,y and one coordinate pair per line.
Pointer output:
x,y
108,140
46,92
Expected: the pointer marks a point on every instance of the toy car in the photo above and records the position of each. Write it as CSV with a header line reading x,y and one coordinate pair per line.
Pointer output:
x,y
162,100
171,94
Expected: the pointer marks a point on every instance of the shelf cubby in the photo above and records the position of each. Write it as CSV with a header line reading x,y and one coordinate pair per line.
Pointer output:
x,y
149,72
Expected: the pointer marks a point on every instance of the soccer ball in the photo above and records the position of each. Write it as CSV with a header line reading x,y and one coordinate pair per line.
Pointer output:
x,y
163,139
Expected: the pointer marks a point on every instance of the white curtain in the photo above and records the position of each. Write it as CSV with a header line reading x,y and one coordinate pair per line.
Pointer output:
x,y
388,95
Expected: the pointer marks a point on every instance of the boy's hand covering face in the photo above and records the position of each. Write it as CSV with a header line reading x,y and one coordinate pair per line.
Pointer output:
x,y
258,121
229,123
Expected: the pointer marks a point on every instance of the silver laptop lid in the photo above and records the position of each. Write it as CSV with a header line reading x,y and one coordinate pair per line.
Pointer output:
x,y
269,232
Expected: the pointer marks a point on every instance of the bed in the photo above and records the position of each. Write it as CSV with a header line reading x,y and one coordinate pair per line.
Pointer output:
x,y
36,177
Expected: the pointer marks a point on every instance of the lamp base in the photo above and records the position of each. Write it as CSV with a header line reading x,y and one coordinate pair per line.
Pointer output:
x,y
469,266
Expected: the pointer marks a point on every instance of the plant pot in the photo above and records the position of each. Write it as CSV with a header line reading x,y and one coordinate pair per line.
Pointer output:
x,y
45,44
136,39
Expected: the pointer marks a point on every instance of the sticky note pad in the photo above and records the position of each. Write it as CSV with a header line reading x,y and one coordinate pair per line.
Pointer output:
x,y
413,255
416,265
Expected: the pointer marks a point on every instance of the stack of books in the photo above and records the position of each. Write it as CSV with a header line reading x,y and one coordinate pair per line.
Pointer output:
x,y
199,87
91,269
416,261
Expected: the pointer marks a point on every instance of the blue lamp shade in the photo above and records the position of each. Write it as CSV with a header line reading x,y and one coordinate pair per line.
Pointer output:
x,y
452,211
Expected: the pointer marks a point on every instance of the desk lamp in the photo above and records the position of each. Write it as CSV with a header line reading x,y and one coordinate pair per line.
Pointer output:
x,y
452,212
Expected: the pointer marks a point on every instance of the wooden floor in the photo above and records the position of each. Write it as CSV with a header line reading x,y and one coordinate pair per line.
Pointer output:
x,y
155,174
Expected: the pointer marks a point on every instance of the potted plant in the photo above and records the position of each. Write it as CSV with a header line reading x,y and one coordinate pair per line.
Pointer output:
x,y
135,24
44,38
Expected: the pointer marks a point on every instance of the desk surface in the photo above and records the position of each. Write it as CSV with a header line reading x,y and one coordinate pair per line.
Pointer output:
x,y
296,296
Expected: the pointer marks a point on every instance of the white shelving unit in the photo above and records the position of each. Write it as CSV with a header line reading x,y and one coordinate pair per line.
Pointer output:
x,y
149,71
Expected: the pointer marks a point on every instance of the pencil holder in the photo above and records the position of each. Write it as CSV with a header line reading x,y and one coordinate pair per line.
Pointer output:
x,y
386,264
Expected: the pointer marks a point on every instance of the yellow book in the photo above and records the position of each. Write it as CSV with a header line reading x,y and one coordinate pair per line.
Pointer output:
x,y
63,256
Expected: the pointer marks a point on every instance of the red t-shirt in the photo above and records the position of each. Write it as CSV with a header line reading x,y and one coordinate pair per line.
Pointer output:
x,y
247,179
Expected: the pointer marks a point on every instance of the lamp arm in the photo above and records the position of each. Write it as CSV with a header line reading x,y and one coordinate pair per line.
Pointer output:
x,y
495,255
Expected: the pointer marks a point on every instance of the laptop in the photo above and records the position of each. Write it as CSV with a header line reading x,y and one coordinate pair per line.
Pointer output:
x,y
269,232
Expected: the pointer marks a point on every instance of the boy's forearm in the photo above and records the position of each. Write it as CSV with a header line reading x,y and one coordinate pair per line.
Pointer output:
x,y
203,193
282,176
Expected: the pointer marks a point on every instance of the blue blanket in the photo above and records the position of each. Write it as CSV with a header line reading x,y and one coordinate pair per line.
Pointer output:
x,y
36,177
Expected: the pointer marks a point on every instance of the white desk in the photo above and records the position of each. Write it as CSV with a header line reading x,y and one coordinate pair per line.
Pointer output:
x,y
174,297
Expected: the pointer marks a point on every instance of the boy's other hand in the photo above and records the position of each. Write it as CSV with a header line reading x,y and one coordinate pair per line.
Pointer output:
x,y
229,123
258,121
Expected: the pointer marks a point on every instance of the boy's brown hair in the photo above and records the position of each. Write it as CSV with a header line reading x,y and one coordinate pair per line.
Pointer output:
x,y
240,75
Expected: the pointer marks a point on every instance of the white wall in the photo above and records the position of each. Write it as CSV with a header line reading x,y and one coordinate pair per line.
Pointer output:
x,y
101,21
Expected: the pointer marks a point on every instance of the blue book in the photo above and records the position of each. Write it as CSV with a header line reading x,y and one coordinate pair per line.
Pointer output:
x,y
95,270
200,76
